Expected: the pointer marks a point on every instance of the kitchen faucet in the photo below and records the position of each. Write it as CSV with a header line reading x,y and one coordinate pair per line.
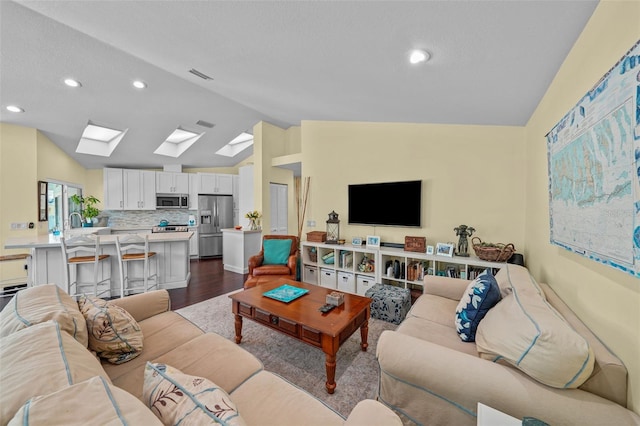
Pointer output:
x,y
71,222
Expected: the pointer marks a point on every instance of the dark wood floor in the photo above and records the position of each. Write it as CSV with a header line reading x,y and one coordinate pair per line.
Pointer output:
x,y
208,279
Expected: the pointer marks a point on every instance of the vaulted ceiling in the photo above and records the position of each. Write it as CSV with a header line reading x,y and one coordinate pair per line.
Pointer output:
x,y
277,61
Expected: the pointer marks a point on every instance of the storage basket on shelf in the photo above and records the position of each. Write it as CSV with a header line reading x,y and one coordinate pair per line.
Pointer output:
x,y
317,236
313,254
492,252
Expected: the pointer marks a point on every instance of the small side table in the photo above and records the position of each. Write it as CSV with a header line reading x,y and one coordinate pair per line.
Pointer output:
x,y
488,416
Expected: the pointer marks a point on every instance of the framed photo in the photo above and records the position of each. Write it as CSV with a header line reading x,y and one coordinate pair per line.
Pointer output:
x,y
356,241
445,249
42,201
373,241
429,249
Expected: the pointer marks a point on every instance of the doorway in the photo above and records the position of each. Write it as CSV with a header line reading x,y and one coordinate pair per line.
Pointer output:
x,y
279,209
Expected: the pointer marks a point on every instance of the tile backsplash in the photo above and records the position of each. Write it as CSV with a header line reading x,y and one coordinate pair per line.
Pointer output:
x,y
144,218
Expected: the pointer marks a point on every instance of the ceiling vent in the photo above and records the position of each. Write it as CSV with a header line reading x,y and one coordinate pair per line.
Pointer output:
x,y
199,74
205,124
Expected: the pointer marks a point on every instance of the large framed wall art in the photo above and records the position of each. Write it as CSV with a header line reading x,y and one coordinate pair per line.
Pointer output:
x,y
594,174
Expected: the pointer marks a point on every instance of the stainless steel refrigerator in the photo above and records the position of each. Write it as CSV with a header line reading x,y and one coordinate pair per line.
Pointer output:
x,y
215,213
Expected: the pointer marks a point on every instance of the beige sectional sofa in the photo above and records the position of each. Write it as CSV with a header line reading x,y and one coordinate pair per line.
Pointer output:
x,y
431,377
47,372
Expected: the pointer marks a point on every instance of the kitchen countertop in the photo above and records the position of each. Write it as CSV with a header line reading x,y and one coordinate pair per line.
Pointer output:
x,y
44,241
240,231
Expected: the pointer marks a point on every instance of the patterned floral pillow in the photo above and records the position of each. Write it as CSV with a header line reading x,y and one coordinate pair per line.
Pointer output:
x,y
481,295
113,333
178,398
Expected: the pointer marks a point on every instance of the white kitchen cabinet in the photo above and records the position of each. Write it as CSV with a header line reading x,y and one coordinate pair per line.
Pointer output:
x,y
113,189
172,183
193,242
215,183
139,189
194,190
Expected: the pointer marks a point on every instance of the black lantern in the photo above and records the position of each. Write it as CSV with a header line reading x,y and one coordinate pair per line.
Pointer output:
x,y
333,228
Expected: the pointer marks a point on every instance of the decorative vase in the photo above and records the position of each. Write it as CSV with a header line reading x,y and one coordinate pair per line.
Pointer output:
x,y
253,225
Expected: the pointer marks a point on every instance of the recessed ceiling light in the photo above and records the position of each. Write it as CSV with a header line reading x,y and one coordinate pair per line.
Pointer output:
x,y
417,56
139,84
72,83
14,108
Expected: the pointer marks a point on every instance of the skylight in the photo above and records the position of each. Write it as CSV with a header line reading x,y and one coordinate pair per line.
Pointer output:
x,y
237,145
99,140
178,142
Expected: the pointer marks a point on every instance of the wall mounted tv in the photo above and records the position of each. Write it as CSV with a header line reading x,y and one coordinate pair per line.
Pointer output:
x,y
387,203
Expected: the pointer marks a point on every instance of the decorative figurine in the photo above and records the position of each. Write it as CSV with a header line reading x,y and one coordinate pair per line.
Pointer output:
x,y
463,231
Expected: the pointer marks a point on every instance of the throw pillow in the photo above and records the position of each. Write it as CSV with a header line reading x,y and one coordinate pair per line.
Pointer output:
x,y
525,331
276,252
104,404
39,360
178,398
113,333
41,303
481,295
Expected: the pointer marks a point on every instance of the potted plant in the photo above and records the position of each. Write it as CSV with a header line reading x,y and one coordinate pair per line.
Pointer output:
x,y
89,210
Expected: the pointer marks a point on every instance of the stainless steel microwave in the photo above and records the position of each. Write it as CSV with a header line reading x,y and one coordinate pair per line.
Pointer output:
x,y
172,201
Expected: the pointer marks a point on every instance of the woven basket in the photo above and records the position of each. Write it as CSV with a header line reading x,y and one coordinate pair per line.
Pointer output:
x,y
313,254
498,253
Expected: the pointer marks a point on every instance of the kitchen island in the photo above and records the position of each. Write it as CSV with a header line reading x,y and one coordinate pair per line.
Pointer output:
x,y
238,245
47,265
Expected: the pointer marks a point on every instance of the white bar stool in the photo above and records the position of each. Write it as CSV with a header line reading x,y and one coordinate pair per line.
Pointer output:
x,y
85,250
140,252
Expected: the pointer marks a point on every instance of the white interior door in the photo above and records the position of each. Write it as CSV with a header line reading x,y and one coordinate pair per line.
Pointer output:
x,y
279,211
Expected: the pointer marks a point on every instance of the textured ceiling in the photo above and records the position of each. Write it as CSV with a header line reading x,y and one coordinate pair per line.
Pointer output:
x,y
281,62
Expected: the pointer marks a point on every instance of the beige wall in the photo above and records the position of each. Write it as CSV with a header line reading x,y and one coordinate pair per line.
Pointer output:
x,y
470,175
606,299
269,142
18,188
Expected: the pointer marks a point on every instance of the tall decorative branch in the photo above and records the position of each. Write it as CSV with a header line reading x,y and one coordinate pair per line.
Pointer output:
x,y
302,195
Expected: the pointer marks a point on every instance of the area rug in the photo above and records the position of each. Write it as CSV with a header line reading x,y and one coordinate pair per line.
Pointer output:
x,y
356,371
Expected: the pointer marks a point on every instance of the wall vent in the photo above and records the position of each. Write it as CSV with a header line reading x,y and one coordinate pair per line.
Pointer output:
x,y
204,124
199,74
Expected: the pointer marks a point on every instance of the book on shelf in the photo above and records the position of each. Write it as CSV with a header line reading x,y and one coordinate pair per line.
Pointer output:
x,y
346,259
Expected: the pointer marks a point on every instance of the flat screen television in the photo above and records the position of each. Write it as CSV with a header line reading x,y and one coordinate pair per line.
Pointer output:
x,y
387,203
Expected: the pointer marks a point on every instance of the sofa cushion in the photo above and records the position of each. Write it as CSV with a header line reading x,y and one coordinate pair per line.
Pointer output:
x,y
609,376
481,295
178,398
215,358
527,332
43,303
512,275
162,333
276,251
113,334
90,402
39,360
267,398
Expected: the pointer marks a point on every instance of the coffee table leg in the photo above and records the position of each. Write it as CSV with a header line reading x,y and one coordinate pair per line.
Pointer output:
x,y
364,336
238,325
330,363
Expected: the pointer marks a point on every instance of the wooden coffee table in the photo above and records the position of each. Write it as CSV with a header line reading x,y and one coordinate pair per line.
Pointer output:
x,y
302,320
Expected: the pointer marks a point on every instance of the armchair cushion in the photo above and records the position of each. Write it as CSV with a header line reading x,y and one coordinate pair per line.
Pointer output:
x,y
276,252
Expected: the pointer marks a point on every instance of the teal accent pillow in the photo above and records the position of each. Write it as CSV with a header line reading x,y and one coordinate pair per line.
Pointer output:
x,y
276,252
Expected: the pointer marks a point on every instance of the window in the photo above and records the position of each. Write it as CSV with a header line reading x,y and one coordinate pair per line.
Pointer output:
x,y
60,208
